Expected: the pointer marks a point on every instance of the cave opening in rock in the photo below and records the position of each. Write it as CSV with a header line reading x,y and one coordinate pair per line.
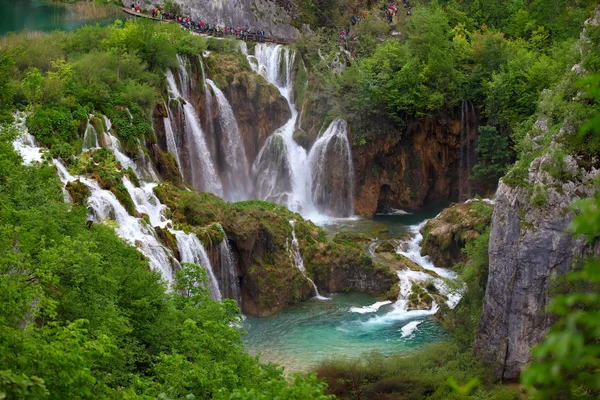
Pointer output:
x,y
385,200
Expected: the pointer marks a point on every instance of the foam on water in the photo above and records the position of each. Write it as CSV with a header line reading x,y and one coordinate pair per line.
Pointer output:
x,y
25,143
413,252
409,328
370,309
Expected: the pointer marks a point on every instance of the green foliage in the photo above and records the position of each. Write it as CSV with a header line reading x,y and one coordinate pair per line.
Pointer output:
x,y
432,372
494,155
84,317
52,125
567,363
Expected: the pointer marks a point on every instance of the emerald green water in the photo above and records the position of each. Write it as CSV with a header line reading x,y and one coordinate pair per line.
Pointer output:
x,y
302,336
43,15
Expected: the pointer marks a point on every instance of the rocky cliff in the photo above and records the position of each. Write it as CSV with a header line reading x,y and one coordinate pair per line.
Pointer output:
x,y
420,165
271,16
445,236
260,236
530,247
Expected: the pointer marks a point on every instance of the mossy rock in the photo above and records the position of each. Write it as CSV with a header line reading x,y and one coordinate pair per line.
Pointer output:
x,y
210,235
166,164
351,239
169,240
419,299
385,247
121,193
302,139
407,263
445,236
79,192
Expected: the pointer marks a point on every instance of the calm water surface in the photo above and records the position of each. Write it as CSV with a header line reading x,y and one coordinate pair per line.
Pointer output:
x,y
43,15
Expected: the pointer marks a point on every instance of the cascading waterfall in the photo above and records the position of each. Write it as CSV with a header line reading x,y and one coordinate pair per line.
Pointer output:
x,y
90,138
332,171
203,172
299,260
192,251
104,205
230,284
234,161
276,64
184,76
464,190
170,138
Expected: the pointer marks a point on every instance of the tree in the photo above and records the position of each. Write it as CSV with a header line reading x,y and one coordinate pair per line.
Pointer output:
x,y
494,154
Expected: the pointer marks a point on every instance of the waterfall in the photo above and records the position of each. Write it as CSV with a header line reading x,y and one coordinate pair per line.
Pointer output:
x,y
299,260
230,284
332,172
24,143
184,76
142,168
171,142
276,64
192,251
90,138
146,202
103,205
235,163
464,190
203,172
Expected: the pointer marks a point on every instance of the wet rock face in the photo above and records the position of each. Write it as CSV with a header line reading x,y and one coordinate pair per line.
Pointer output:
x,y
529,248
259,109
418,166
445,236
264,15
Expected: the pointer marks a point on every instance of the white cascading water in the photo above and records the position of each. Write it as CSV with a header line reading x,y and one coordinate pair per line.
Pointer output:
x,y
276,64
234,162
299,260
170,139
192,251
184,76
146,202
90,138
283,170
330,161
413,252
399,310
24,143
230,283
203,171
103,205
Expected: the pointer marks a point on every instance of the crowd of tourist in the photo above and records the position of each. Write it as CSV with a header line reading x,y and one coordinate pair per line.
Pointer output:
x,y
390,10
204,27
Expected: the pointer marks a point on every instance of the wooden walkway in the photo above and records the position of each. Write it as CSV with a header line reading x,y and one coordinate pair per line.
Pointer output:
x,y
249,37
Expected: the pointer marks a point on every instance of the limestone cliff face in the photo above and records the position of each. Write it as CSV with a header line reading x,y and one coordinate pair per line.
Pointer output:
x,y
422,165
530,246
265,15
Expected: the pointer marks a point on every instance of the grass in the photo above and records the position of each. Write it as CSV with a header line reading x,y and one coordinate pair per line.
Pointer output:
x,y
419,375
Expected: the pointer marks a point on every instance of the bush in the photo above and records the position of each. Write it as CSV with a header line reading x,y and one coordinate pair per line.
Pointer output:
x,y
52,125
